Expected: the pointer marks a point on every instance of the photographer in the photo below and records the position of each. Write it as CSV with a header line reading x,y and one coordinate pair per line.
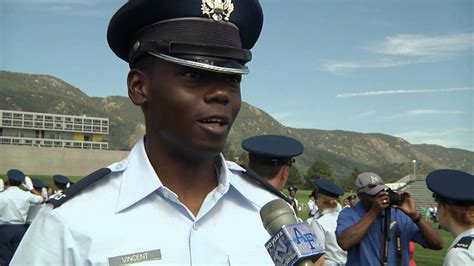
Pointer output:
x,y
360,230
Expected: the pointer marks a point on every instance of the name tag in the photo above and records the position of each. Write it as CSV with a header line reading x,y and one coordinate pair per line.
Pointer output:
x,y
135,257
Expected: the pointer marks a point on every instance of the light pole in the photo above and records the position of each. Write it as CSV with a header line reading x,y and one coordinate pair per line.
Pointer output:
x,y
414,170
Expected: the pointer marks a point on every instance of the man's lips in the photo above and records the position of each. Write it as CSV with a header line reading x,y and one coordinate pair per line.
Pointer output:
x,y
214,124
221,120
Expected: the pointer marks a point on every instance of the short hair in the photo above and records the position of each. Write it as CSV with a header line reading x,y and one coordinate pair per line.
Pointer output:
x,y
264,169
463,215
328,200
144,63
14,183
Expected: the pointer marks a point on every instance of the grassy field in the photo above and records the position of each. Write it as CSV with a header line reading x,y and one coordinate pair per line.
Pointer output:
x,y
422,256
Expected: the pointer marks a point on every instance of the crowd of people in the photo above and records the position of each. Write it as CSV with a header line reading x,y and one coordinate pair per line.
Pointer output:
x,y
177,200
21,198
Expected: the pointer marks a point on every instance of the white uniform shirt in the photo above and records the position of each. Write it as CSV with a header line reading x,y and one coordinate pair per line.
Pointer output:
x,y
324,225
1,185
14,205
32,212
463,254
131,212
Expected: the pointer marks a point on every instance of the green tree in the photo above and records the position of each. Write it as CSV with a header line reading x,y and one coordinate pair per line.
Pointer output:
x,y
348,185
294,178
319,169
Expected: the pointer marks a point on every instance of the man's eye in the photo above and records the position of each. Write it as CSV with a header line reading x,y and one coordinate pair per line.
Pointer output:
x,y
191,74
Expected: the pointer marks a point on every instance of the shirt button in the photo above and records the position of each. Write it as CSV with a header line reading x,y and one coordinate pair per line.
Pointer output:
x,y
165,194
195,227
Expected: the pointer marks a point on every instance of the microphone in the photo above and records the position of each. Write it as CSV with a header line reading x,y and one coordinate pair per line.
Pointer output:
x,y
292,243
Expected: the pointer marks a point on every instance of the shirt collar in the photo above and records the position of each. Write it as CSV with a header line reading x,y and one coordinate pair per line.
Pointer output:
x,y
139,179
328,210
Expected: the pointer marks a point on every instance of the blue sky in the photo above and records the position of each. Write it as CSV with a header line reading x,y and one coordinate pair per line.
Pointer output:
x,y
403,68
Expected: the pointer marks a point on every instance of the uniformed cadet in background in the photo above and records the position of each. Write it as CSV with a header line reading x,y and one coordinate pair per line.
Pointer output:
x,y
14,205
453,191
351,199
61,183
174,200
38,187
2,185
271,156
324,222
292,195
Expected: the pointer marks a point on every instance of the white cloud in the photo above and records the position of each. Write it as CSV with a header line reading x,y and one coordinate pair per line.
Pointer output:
x,y
414,45
453,138
377,93
383,62
404,49
421,112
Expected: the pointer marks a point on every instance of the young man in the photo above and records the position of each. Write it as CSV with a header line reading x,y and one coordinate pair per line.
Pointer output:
x,y
292,196
174,200
360,229
271,156
351,199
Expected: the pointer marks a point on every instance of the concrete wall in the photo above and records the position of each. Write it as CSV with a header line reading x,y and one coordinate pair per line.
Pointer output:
x,y
50,161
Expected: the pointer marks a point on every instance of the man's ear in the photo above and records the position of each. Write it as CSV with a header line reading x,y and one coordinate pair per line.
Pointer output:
x,y
138,84
284,174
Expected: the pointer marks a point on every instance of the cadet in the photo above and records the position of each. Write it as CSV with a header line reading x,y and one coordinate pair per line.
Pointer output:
x,y
271,156
61,183
453,191
2,185
350,201
292,195
38,186
174,200
14,205
325,221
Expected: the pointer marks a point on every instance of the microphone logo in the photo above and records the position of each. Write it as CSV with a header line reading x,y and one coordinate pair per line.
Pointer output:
x,y
293,242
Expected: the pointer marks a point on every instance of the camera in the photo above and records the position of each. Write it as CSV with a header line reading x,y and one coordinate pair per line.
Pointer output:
x,y
395,198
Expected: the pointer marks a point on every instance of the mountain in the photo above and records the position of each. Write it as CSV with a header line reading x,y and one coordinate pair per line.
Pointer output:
x,y
389,156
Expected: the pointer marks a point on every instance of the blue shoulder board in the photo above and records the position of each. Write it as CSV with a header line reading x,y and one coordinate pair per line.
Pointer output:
x,y
59,199
256,178
464,242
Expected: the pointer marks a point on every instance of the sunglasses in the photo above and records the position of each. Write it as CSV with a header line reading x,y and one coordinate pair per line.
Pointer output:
x,y
371,185
291,162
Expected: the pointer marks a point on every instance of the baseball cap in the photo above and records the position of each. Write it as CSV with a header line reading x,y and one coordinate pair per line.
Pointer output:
x,y
369,183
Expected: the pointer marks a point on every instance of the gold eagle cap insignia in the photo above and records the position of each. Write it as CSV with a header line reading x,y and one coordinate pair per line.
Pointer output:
x,y
217,10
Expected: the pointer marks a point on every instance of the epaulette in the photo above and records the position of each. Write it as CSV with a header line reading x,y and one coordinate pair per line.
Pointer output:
x,y
73,190
256,178
464,242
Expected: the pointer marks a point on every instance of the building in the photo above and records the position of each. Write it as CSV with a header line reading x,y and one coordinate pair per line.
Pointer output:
x,y
53,130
